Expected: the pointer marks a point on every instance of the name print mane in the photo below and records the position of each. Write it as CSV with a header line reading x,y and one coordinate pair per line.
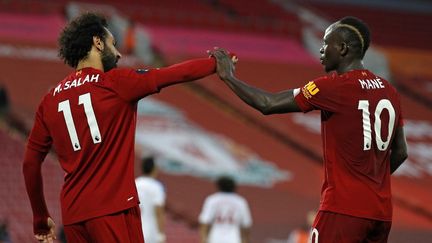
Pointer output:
x,y
371,83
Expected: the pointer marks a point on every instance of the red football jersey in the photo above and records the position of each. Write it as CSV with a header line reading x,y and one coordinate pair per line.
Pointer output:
x,y
359,114
90,119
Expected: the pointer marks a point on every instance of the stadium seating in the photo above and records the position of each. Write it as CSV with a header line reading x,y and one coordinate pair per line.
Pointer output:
x,y
389,27
218,15
15,207
32,7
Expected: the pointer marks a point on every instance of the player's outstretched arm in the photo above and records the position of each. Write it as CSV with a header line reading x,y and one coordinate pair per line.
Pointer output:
x,y
399,151
263,101
185,71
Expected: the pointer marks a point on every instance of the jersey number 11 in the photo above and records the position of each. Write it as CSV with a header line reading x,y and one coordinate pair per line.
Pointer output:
x,y
85,100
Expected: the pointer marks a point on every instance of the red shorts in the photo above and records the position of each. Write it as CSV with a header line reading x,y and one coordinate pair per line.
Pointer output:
x,y
332,227
124,226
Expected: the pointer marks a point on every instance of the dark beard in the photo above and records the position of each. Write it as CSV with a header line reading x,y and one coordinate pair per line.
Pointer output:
x,y
109,60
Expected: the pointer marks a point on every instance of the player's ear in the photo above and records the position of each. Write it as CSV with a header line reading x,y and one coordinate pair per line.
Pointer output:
x,y
98,43
344,49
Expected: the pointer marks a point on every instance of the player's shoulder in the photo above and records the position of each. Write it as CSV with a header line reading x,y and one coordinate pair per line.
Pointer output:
x,y
232,196
148,182
214,197
240,198
324,78
116,72
53,91
319,85
139,182
384,82
331,79
143,181
157,184
236,199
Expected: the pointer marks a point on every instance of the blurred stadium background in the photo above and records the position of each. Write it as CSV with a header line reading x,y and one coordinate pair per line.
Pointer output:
x,y
199,130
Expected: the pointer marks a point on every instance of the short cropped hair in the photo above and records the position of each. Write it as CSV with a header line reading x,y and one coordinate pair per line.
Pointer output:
x,y
357,33
147,165
226,184
76,39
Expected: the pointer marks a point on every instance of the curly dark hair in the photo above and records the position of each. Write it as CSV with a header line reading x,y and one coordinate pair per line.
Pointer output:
x,y
226,184
148,165
76,39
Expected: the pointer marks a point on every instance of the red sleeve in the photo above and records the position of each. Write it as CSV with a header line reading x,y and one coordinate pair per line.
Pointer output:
x,y
34,185
185,71
38,145
133,84
319,94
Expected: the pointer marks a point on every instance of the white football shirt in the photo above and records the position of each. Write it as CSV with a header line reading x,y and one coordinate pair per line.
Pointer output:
x,y
227,213
151,194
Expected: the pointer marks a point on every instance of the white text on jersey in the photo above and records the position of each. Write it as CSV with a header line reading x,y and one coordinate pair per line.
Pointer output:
x,y
76,82
371,83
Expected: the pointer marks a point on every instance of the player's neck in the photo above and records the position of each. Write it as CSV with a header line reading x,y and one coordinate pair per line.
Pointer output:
x,y
354,65
93,60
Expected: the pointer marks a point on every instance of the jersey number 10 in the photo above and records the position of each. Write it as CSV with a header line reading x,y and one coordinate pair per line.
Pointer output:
x,y
367,130
85,100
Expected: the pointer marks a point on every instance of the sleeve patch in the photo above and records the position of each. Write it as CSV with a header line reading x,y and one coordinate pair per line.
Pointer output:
x,y
141,71
309,90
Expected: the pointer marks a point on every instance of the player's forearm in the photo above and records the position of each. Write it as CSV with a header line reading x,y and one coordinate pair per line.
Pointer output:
x,y
161,224
245,235
204,229
160,216
185,71
258,99
34,186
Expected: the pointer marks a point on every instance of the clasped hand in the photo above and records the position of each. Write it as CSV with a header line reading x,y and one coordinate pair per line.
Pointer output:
x,y
225,62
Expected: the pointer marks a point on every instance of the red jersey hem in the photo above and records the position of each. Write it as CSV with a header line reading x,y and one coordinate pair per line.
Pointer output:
x,y
356,214
96,215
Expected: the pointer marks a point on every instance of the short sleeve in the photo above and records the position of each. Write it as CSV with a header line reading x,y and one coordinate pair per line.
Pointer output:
x,y
40,139
133,84
320,94
207,214
247,219
159,196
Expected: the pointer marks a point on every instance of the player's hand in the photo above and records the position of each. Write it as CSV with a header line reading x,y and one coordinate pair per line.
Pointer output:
x,y
225,63
50,236
161,238
233,56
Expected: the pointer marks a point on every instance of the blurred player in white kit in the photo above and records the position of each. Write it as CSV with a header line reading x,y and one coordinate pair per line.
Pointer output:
x,y
152,196
225,216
